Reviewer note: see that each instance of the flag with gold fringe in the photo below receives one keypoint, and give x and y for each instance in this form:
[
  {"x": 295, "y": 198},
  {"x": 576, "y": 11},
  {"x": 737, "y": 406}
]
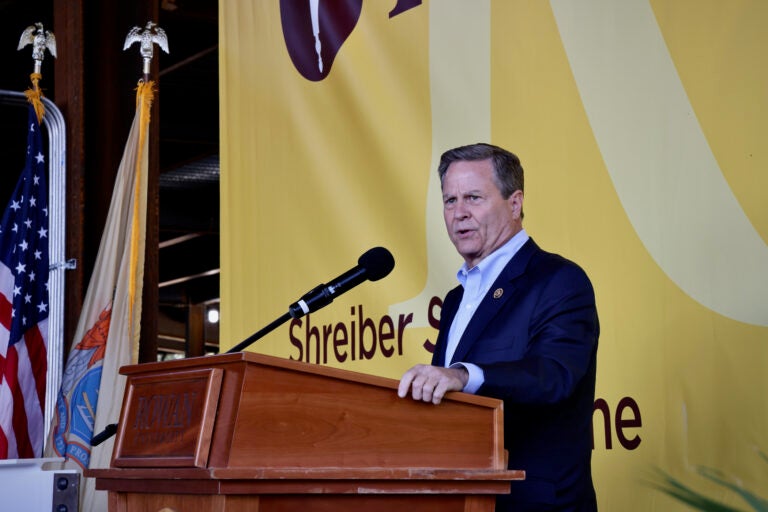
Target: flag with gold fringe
[{"x": 108, "y": 331}]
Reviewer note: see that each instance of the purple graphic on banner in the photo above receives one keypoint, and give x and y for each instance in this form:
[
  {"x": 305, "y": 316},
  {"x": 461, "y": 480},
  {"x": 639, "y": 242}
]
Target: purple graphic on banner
[{"x": 315, "y": 30}]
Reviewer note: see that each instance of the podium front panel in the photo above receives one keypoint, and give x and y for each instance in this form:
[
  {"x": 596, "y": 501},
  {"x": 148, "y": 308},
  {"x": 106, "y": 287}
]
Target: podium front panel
[{"x": 168, "y": 418}]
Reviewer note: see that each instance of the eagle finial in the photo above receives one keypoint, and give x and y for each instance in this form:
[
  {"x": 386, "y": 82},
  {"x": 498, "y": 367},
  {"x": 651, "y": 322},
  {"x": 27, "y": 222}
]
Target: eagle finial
[
  {"x": 146, "y": 38},
  {"x": 40, "y": 40}
]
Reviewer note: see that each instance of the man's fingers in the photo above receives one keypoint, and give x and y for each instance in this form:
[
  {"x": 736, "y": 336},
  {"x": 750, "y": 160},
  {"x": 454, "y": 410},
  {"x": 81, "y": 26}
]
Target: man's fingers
[
  {"x": 439, "y": 392},
  {"x": 428, "y": 383},
  {"x": 426, "y": 391},
  {"x": 405, "y": 383},
  {"x": 421, "y": 387},
  {"x": 413, "y": 379}
]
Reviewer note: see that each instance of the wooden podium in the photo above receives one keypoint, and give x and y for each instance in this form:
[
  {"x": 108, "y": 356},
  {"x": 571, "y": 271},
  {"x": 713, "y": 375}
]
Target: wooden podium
[{"x": 248, "y": 432}]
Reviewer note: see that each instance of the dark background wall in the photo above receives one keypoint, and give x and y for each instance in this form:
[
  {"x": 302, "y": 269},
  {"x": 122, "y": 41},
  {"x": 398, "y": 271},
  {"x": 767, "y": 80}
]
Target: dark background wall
[{"x": 93, "y": 83}]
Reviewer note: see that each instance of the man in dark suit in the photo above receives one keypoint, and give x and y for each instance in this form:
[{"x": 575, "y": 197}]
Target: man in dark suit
[{"x": 522, "y": 327}]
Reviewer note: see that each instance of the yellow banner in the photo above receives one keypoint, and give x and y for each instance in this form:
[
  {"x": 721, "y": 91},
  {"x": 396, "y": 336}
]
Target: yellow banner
[{"x": 640, "y": 127}]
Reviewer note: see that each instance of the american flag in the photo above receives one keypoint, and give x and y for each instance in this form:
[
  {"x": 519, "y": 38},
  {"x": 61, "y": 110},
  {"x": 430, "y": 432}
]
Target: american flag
[{"x": 24, "y": 306}]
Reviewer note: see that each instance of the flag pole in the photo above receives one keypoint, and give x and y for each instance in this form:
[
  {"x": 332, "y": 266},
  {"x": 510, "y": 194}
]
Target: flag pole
[
  {"x": 147, "y": 38},
  {"x": 40, "y": 39},
  {"x": 110, "y": 325}
]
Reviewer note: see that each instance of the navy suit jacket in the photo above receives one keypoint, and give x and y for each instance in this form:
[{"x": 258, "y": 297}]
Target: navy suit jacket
[{"x": 535, "y": 337}]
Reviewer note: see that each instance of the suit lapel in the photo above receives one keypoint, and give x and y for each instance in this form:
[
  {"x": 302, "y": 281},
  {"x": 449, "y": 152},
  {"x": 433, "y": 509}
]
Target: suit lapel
[
  {"x": 500, "y": 293},
  {"x": 448, "y": 311}
]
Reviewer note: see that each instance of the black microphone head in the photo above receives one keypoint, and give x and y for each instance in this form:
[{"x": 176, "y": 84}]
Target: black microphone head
[{"x": 377, "y": 262}]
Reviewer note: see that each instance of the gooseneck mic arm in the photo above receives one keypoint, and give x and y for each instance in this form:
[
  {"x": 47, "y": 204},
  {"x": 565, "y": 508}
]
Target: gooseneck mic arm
[
  {"x": 259, "y": 334},
  {"x": 373, "y": 265}
]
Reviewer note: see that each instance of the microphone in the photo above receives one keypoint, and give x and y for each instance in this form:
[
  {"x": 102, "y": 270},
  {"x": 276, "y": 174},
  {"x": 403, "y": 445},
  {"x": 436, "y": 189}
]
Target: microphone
[
  {"x": 373, "y": 265},
  {"x": 105, "y": 434}
]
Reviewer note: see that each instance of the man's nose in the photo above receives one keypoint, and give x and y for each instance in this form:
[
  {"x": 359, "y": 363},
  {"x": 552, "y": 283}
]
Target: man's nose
[{"x": 461, "y": 211}]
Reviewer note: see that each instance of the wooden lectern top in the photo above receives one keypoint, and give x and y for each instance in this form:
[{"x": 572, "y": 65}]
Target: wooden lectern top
[
  {"x": 244, "y": 431},
  {"x": 251, "y": 411}
]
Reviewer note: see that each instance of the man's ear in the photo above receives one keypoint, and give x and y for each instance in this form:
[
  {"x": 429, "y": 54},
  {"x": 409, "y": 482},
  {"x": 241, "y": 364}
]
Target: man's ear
[{"x": 516, "y": 201}]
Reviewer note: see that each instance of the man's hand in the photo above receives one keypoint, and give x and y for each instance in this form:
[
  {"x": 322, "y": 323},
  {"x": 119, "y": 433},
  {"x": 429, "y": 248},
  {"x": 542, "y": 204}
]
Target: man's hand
[{"x": 431, "y": 383}]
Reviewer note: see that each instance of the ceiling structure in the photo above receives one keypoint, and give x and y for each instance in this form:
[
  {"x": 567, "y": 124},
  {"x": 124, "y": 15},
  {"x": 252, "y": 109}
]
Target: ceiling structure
[
  {"x": 189, "y": 173},
  {"x": 188, "y": 125}
]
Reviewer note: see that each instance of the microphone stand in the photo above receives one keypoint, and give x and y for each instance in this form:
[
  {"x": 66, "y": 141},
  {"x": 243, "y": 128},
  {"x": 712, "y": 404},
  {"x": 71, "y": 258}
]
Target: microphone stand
[
  {"x": 378, "y": 259},
  {"x": 105, "y": 434},
  {"x": 111, "y": 429},
  {"x": 255, "y": 336},
  {"x": 373, "y": 264}
]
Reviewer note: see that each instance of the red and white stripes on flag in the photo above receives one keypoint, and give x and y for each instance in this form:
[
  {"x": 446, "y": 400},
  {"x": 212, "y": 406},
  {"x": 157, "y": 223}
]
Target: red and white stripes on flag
[{"x": 24, "y": 306}]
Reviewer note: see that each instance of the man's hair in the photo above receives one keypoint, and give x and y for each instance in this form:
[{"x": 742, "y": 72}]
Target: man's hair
[{"x": 507, "y": 171}]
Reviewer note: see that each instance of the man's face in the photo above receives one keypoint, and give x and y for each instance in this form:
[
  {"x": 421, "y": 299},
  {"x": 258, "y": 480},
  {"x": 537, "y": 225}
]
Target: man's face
[{"x": 478, "y": 219}]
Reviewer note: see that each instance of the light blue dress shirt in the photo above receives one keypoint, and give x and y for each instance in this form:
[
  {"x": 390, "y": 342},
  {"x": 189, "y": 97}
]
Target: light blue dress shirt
[{"x": 476, "y": 282}]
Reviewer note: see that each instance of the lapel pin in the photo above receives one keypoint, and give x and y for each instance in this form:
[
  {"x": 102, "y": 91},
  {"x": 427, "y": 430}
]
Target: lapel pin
[{"x": 497, "y": 293}]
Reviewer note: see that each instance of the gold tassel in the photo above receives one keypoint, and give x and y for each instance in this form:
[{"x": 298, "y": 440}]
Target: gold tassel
[
  {"x": 35, "y": 96},
  {"x": 144, "y": 96}
]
